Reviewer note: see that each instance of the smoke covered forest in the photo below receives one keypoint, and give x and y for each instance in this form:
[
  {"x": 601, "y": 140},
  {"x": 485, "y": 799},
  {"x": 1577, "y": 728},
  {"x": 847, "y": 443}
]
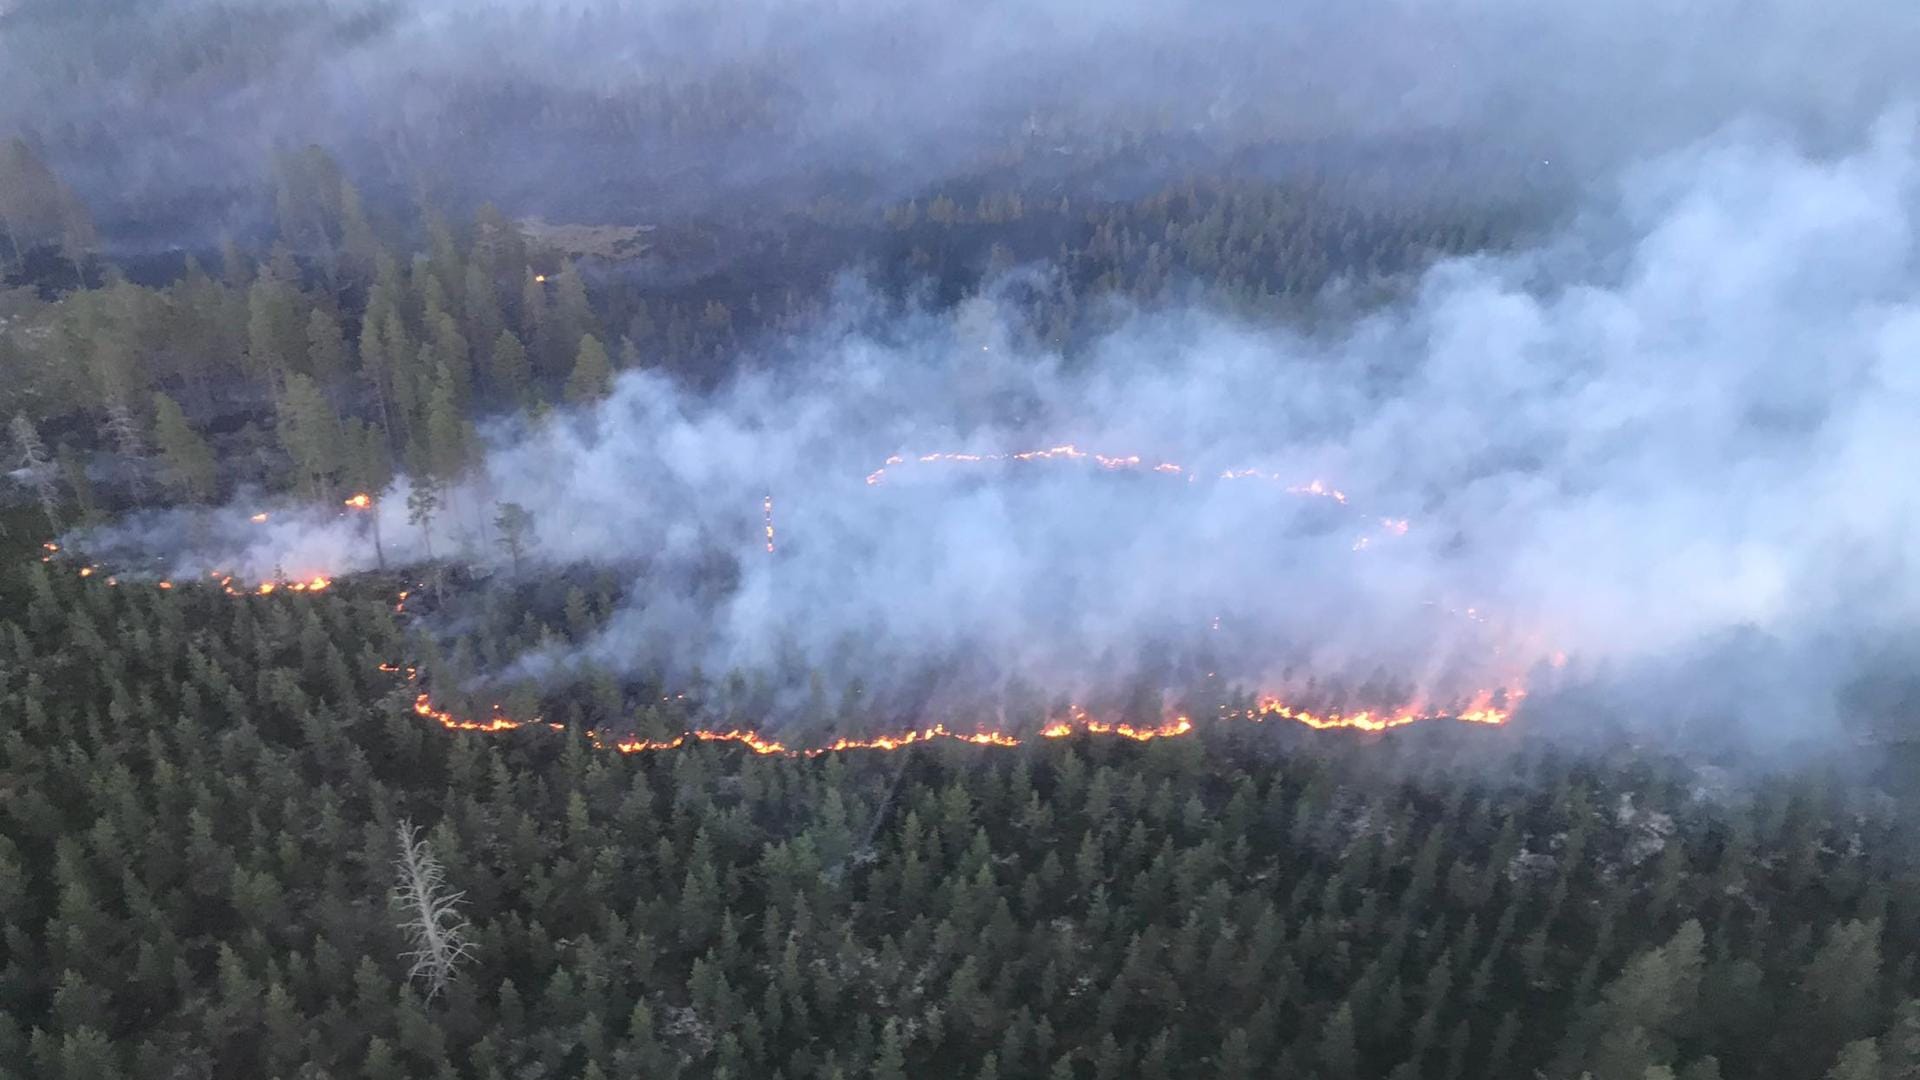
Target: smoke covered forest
[{"x": 798, "y": 539}]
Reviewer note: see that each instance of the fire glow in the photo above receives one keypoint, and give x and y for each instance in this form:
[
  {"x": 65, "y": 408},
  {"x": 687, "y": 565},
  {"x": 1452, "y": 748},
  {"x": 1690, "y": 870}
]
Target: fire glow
[
  {"x": 1111, "y": 462},
  {"x": 1484, "y": 708},
  {"x": 1489, "y": 708},
  {"x": 1312, "y": 489}
]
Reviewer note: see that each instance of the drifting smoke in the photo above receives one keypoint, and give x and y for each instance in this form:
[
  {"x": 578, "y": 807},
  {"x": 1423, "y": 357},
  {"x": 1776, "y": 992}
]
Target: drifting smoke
[
  {"x": 168, "y": 110},
  {"x": 1679, "y": 459}
]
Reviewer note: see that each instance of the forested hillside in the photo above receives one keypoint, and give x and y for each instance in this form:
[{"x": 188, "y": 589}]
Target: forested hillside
[
  {"x": 1479, "y": 526},
  {"x": 339, "y": 355},
  {"x": 200, "y": 799}
]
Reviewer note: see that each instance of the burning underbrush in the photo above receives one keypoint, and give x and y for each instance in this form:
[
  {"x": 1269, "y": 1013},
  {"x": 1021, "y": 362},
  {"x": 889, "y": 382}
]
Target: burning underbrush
[
  {"x": 473, "y": 631},
  {"x": 796, "y": 708}
]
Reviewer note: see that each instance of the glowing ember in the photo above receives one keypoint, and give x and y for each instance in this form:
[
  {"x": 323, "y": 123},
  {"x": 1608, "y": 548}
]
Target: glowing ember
[
  {"x": 1069, "y": 452},
  {"x": 1481, "y": 710},
  {"x": 1319, "y": 489},
  {"x": 424, "y": 707},
  {"x": 1490, "y": 708}
]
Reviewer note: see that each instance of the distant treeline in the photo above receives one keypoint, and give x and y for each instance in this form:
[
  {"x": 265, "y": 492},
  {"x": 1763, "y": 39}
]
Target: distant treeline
[{"x": 347, "y": 350}]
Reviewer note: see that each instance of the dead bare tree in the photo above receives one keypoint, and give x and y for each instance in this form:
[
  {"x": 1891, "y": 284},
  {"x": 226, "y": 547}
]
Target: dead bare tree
[
  {"x": 433, "y": 924},
  {"x": 124, "y": 432},
  {"x": 37, "y": 467}
]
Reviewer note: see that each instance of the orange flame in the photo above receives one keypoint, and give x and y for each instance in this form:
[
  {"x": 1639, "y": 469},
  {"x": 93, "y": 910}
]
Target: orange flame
[
  {"x": 1070, "y": 452},
  {"x": 1319, "y": 489},
  {"x": 1480, "y": 710},
  {"x": 360, "y": 501},
  {"x": 258, "y": 519},
  {"x": 424, "y": 707}
]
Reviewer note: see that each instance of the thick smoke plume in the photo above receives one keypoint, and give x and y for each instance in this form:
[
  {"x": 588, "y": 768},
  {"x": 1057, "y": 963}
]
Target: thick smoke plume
[{"x": 1672, "y": 446}]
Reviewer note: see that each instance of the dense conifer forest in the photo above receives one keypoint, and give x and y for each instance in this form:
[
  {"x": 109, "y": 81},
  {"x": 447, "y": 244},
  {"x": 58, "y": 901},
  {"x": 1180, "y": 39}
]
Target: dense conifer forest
[
  {"x": 235, "y": 844},
  {"x": 199, "y": 841},
  {"x": 202, "y": 792}
]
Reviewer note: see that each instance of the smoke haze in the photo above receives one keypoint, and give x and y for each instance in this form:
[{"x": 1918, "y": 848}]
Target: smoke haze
[
  {"x": 167, "y": 113},
  {"x": 1672, "y": 445}
]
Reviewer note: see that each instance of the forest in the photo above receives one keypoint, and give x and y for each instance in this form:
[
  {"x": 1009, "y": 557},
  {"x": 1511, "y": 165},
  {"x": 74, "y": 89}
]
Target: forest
[
  {"x": 289, "y": 829},
  {"x": 202, "y": 795}
]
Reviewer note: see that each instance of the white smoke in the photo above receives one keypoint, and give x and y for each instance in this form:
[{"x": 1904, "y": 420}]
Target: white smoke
[
  {"x": 654, "y": 103},
  {"x": 1687, "y": 421}
]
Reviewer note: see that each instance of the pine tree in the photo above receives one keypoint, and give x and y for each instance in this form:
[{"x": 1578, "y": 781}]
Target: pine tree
[
  {"x": 1900, "y": 1046},
  {"x": 1707, "y": 1068},
  {"x": 357, "y": 241},
  {"x": 423, "y": 503},
  {"x": 30, "y": 199},
  {"x": 592, "y": 377},
  {"x": 451, "y": 443},
  {"x": 276, "y": 337},
  {"x": 1337, "y": 1053},
  {"x": 376, "y": 368},
  {"x": 382, "y": 1063},
  {"x": 77, "y": 236},
  {"x": 186, "y": 462},
  {"x": 572, "y": 314},
  {"x": 509, "y": 371},
  {"x": 311, "y": 434},
  {"x": 481, "y": 304},
  {"x": 369, "y": 469},
  {"x": 1840, "y": 987},
  {"x": 891, "y": 1063},
  {"x": 516, "y": 527},
  {"x": 537, "y": 323},
  {"x": 326, "y": 349},
  {"x": 1859, "y": 1060}
]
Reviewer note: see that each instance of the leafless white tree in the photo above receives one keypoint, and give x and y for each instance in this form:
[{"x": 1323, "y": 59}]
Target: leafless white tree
[
  {"x": 38, "y": 467},
  {"x": 124, "y": 432},
  {"x": 432, "y": 921}
]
